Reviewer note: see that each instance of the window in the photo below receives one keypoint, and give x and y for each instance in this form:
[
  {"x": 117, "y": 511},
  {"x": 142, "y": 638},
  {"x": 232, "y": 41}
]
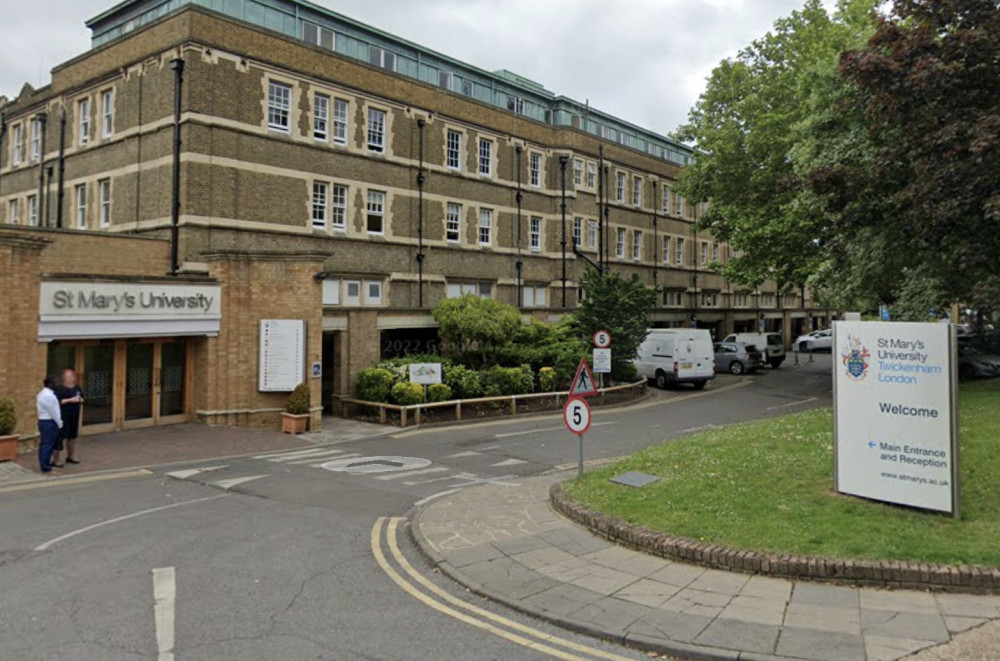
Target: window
[
  {"x": 331, "y": 292},
  {"x": 453, "y": 223},
  {"x": 376, "y": 212},
  {"x": 107, "y": 113},
  {"x": 481, "y": 289},
  {"x": 515, "y": 104},
  {"x": 678, "y": 205},
  {"x": 534, "y": 296},
  {"x": 352, "y": 292},
  {"x": 279, "y": 106},
  {"x": 338, "y": 207},
  {"x": 444, "y": 80},
  {"x": 32, "y": 210},
  {"x": 591, "y": 233},
  {"x": 320, "y": 36},
  {"x": 591, "y": 175},
  {"x": 620, "y": 244},
  {"x": 605, "y": 131},
  {"x": 666, "y": 250},
  {"x": 340, "y": 121},
  {"x": 13, "y": 216},
  {"x": 710, "y": 300},
  {"x": 679, "y": 248},
  {"x": 535, "y": 233},
  {"x": 740, "y": 300},
  {"x": 666, "y": 200},
  {"x": 485, "y": 157},
  {"x": 577, "y": 172},
  {"x": 620, "y": 190},
  {"x": 380, "y": 57},
  {"x": 321, "y": 117},
  {"x": 16, "y": 145},
  {"x": 767, "y": 300},
  {"x": 81, "y": 207},
  {"x": 577, "y": 232},
  {"x": 104, "y": 203},
  {"x": 376, "y": 130},
  {"x": 321, "y": 194},
  {"x": 704, "y": 254},
  {"x": 637, "y": 191},
  {"x": 715, "y": 253},
  {"x": 637, "y": 245},
  {"x": 83, "y": 108},
  {"x": 454, "y": 150},
  {"x": 36, "y": 140},
  {"x": 673, "y": 299},
  {"x": 535, "y": 169},
  {"x": 485, "y": 226},
  {"x": 373, "y": 292}
]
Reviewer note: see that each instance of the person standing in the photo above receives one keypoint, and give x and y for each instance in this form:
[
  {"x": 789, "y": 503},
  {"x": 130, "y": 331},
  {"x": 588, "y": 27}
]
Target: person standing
[
  {"x": 49, "y": 423},
  {"x": 70, "y": 397}
]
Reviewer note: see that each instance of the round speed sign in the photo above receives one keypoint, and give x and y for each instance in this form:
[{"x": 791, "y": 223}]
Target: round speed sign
[
  {"x": 602, "y": 339},
  {"x": 576, "y": 415}
]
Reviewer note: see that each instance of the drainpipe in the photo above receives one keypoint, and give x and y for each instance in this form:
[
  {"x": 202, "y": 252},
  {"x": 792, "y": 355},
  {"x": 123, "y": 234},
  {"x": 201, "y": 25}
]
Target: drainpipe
[
  {"x": 3, "y": 134},
  {"x": 177, "y": 64},
  {"x": 607, "y": 221},
  {"x": 62, "y": 167},
  {"x": 420, "y": 217},
  {"x": 656, "y": 239},
  {"x": 600, "y": 210},
  {"x": 48, "y": 192},
  {"x": 562, "y": 171},
  {"x": 519, "y": 264},
  {"x": 42, "y": 119}
]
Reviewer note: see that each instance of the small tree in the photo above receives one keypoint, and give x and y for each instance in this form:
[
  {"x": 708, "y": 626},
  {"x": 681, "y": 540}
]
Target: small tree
[
  {"x": 473, "y": 323},
  {"x": 620, "y": 307},
  {"x": 8, "y": 417},
  {"x": 298, "y": 402}
]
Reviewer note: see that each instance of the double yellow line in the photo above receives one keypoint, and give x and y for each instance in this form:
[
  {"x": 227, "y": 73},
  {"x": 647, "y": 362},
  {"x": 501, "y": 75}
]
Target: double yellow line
[{"x": 422, "y": 589}]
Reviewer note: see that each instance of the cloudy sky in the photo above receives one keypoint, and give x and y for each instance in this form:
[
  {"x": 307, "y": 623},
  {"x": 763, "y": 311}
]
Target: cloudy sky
[{"x": 643, "y": 60}]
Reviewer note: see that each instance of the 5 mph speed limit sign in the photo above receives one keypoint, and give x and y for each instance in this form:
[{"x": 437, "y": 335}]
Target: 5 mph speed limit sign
[{"x": 576, "y": 415}]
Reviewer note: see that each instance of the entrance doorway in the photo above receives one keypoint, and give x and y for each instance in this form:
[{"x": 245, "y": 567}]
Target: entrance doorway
[{"x": 128, "y": 383}]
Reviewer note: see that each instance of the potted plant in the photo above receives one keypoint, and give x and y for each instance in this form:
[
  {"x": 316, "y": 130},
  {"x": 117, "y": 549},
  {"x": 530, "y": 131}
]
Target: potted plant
[
  {"x": 295, "y": 417},
  {"x": 8, "y": 422}
]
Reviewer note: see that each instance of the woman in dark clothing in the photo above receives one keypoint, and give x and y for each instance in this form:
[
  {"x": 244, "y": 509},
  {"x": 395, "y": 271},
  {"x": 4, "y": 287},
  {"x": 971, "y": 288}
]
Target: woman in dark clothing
[{"x": 70, "y": 398}]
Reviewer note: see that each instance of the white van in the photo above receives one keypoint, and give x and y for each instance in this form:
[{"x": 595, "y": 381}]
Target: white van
[
  {"x": 770, "y": 345},
  {"x": 677, "y": 355}
]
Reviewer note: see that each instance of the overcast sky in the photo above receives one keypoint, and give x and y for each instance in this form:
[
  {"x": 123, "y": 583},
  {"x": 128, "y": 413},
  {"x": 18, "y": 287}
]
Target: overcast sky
[{"x": 643, "y": 60}]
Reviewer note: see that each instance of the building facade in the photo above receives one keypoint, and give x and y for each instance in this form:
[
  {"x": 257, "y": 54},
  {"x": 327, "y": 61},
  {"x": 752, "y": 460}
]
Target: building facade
[{"x": 293, "y": 164}]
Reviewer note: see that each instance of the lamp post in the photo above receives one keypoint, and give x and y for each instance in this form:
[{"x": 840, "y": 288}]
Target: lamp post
[
  {"x": 563, "y": 160},
  {"x": 420, "y": 216}
]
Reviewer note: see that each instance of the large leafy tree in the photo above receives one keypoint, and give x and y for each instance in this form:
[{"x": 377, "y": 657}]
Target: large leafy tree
[{"x": 476, "y": 327}]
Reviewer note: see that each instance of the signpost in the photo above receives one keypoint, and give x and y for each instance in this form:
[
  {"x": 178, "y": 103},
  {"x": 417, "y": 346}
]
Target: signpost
[
  {"x": 583, "y": 382},
  {"x": 896, "y": 413},
  {"x": 602, "y": 339},
  {"x": 426, "y": 374},
  {"x": 576, "y": 415},
  {"x": 602, "y": 361}
]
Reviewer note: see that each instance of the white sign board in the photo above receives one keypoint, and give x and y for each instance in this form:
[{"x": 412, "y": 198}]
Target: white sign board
[
  {"x": 602, "y": 361},
  {"x": 896, "y": 424},
  {"x": 282, "y": 354},
  {"x": 426, "y": 374}
]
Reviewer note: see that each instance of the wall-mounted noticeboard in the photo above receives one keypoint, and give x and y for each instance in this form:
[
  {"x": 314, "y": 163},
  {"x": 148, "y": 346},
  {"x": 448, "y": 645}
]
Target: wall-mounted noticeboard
[{"x": 282, "y": 361}]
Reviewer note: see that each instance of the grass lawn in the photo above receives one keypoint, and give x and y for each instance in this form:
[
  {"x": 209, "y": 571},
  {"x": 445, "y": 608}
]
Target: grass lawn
[{"x": 768, "y": 485}]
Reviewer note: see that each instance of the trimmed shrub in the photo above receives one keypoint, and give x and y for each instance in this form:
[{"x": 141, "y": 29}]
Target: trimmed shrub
[
  {"x": 503, "y": 381},
  {"x": 464, "y": 383},
  {"x": 624, "y": 372},
  {"x": 375, "y": 384},
  {"x": 439, "y": 392},
  {"x": 8, "y": 417},
  {"x": 547, "y": 379},
  {"x": 298, "y": 402},
  {"x": 407, "y": 394}
]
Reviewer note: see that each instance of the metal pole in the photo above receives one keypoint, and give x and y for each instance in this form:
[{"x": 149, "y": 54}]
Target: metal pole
[
  {"x": 656, "y": 240},
  {"x": 3, "y": 134},
  {"x": 60, "y": 194},
  {"x": 579, "y": 455},
  {"x": 420, "y": 217},
  {"x": 600, "y": 210},
  {"x": 519, "y": 264},
  {"x": 562, "y": 169},
  {"x": 607, "y": 221},
  {"x": 177, "y": 64},
  {"x": 41, "y": 118}
]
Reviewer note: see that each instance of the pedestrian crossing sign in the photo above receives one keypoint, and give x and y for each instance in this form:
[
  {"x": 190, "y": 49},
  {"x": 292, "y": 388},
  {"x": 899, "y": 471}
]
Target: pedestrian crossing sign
[{"x": 583, "y": 382}]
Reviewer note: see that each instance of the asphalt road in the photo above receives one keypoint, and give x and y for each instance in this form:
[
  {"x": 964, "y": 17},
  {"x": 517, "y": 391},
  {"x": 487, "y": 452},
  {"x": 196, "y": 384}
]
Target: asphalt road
[{"x": 277, "y": 557}]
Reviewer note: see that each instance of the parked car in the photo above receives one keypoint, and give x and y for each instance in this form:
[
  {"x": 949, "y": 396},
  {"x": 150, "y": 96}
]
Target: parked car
[
  {"x": 975, "y": 364},
  {"x": 736, "y": 357},
  {"x": 821, "y": 340},
  {"x": 772, "y": 345},
  {"x": 676, "y": 355}
]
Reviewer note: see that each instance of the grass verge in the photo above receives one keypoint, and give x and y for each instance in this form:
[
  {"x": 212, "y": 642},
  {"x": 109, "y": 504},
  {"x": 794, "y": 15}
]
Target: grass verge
[{"x": 768, "y": 486}]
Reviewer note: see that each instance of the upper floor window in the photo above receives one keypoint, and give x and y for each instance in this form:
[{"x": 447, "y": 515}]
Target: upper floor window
[
  {"x": 454, "y": 149},
  {"x": 704, "y": 254},
  {"x": 104, "y": 203},
  {"x": 591, "y": 233},
  {"x": 620, "y": 189},
  {"x": 620, "y": 243},
  {"x": 591, "y": 175},
  {"x": 81, "y": 207},
  {"x": 515, "y": 104},
  {"x": 578, "y": 232},
  {"x": 679, "y": 251},
  {"x": 338, "y": 207},
  {"x": 380, "y": 57},
  {"x": 353, "y": 293},
  {"x": 321, "y": 117},
  {"x": 320, "y": 202},
  {"x": 534, "y": 296},
  {"x": 32, "y": 210},
  {"x": 318, "y": 35},
  {"x": 481, "y": 289},
  {"x": 485, "y": 157},
  {"x": 535, "y": 169},
  {"x": 637, "y": 245},
  {"x": 485, "y": 226},
  {"x": 36, "y": 140},
  {"x": 376, "y": 212},
  {"x": 637, "y": 191},
  {"x": 340, "y": 110},
  {"x": 577, "y": 172},
  {"x": 83, "y": 108},
  {"x": 16, "y": 144},
  {"x": 376, "y": 130},
  {"x": 453, "y": 223},
  {"x": 715, "y": 253},
  {"x": 107, "y": 113},
  {"x": 710, "y": 300},
  {"x": 535, "y": 234},
  {"x": 673, "y": 299},
  {"x": 666, "y": 249},
  {"x": 678, "y": 205},
  {"x": 666, "y": 200},
  {"x": 740, "y": 300},
  {"x": 279, "y": 106},
  {"x": 444, "y": 79},
  {"x": 13, "y": 213}
]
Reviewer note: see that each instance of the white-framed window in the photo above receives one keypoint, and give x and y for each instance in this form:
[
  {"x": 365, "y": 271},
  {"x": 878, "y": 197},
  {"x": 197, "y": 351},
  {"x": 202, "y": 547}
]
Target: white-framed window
[
  {"x": 321, "y": 117},
  {"x": 673, "y": 299},
  {"x": 376, "y": 130},
  {"x": 678, "y": 205},
  {"x": 445, "y": 80},
  {"x": 485, "y": 157},
  {"x": 81, "y": 206},
  {"x": 591, "y": 233},
  {"x": 578, "y": 232},
  {"x": 515, "y": 104},
  {"x": 534, "y": 296},
  {"x": 32, "y": 210},
  {"x": 715, "y": 253},
  {"x": 741, "y": 300},
  {"x": 637, "y": 191},
  {"x": 535, "y": 169},
  {"x": 679, "y": 251},
  {"x": 453, "y": 223},
  {"x": 318, "y": 35},
  {"x": 637, "y": 245},
  {"x": 320, "y": 203},
  {"x": 373, "y": 292},
  {"x": 104, "y": 203},
  {"x": 457, "y": 289},
  {"x": 340, "y": 112},
  {"x": 767, "y": 300},
  {"x": 577, "y": 172},
  {"x": 375, "y": 222},
  {"x": 279, "y": 106},
  {"x": 331, "y": 291},
  {"x": 591, "y": 175},
  {"x": 666, "y": 250},
  {"x": 352, "y": 293},
  {"x": 107, "y": 113},
  {"x": 535, "y": 233},
  {"x": 620, "y": 188},
  {"x": 454, "y": 150},
  {"x": 666, "y": 200},
  {"x": 605, "y": 131},
  {"x": 485, "y": 226},
  {"x": 36, "y": 140},
  {"x": 16, "y": 144},
  {"x": 338, "y": 207},
  {"x": 710, "y": 300},
  {"x": 380, "y": 57},
  {"x": 13, "y": 213},
  {"x": 620, "y": 243},
  {"x": 83, "y": 110},
  {"x": 704, "y": 254}
]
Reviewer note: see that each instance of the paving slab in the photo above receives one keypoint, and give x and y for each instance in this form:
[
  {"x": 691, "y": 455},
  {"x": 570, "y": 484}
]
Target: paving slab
[
  {"x": 739, "y": 635},
  {"x": 802, "y": 643}
]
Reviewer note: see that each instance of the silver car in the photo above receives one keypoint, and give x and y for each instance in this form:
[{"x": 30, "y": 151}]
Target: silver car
[
  {"x": 821, "y": 340},
  {"x": 736, "y": 357}
]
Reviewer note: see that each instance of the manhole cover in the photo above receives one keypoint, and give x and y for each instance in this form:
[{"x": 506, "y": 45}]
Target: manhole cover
[
  {"x": 635, "y": 479},
  {"x": 376, "y": 464}
]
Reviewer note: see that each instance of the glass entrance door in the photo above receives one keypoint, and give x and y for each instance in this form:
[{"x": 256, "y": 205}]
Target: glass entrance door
[
  {"x": 98, "y": 380},
  {"x": 139, "y": 363},
  {"x": 173, "y": 378}
]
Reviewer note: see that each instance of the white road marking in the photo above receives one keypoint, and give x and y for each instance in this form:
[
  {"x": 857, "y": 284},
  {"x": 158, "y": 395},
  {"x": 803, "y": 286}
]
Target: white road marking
[
  {"x": 424, "y": 501},
  {"x": 288, "y": 456},
  {"x": 459, "y": 455},
  {"x": 80, "y": 531},
  {"x": 191, "y": 472},
  {"x": 320, "y": 457},
  {"x": 414, "y": 483},
  {"x": 509, "y": 462},
  {"x": 471, "y": 480},
  {"x": 425, "y": 471},
  {"x": 795, "y": 403},
  {"x": 546, "y": 429},
  {"x": 236, "y": 481},
  {"x": 164, "y": 601},
  {"x": 379, "y": 464}
]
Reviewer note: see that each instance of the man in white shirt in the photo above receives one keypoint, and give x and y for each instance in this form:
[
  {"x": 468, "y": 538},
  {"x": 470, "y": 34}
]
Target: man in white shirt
[{"x": 49, "y": 423}]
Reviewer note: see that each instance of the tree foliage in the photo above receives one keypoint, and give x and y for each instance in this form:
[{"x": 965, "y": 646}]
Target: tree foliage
[
  {"x": 469, "y": 322},
  {"x": 621, "y": 307}
]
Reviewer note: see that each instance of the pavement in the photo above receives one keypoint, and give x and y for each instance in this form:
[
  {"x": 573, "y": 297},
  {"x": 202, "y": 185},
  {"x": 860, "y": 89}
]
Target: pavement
[{"x": 506, "y": 543}]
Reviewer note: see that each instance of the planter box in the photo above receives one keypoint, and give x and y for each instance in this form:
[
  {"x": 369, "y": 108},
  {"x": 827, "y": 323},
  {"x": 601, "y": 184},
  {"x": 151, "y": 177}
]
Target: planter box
[
  {"x": 294, "y": 424},
  {"x": 8, "y": 447}
]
